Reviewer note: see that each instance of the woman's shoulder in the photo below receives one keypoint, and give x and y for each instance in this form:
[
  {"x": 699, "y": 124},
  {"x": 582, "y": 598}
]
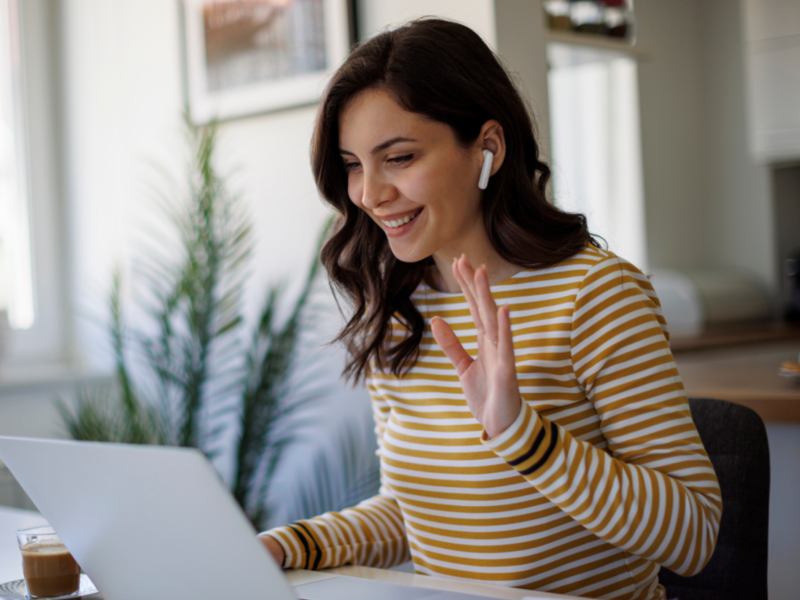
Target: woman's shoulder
[
  {"x": 568, "y": 272},
  {"x": 535, "y": 288},
  {"x": 593, "y": 257}
]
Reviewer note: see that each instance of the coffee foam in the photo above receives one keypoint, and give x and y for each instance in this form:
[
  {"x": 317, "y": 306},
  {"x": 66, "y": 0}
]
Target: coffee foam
[{"x": 44, "y": 548}]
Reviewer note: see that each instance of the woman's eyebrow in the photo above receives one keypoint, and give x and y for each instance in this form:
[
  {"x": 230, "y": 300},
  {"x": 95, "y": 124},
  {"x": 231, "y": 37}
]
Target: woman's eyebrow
[{"x": 382, "y": 146}]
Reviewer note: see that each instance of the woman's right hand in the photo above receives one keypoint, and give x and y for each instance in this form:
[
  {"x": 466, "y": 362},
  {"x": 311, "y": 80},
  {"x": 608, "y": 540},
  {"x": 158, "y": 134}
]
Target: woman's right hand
[
  {"x": 273, "y": 547},
  {"x": 489, "y": 380}
]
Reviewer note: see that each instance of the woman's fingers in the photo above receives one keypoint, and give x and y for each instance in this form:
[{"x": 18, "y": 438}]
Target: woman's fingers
[
  {"x": 461, "y": 269},
  {"x": 505, "y": 340},
  {"x": 468, "y": 275},
  {"x": 450, "y": 345},
  {"x": 486, "y": 305},
  {"x": 475, "y": 286}
]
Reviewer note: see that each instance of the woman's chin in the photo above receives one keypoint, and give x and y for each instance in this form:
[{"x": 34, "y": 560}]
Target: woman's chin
[{"x": 407, "y": 255}]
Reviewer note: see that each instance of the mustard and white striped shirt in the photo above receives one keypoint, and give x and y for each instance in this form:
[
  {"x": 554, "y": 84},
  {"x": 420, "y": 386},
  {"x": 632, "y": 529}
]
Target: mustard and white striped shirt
[{"x": 600, "y": 480}]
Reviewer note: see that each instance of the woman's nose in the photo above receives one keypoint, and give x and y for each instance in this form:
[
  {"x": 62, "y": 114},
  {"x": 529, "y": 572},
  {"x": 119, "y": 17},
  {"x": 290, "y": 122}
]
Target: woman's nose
[{"x": 376, "y": 190}]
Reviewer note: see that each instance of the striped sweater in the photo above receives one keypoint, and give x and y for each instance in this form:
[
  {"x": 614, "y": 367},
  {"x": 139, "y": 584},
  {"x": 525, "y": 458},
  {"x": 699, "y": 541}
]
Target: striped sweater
[{"x": 601, "y": 479}]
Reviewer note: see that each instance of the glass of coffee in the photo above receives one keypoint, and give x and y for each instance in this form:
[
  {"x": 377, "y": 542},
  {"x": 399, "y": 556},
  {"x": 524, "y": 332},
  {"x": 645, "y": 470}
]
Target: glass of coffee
[{"x": 48, "y": 566}]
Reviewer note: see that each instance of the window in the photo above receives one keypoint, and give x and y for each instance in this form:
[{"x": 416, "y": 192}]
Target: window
[
  {"x": 33, "y": 257},
  {"x": 16, "y": 283},
  {"x": 597, "y": 165}
]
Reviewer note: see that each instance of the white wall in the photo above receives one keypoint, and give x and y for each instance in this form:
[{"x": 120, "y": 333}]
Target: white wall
[
  {"x": 522, "y": 48},
  {"x": 121, "y": 65},
  {"x": 736, "y": 189},
  {"x": 706, "y": 202},
  {"x": 377, "y": 15},
  {"x": 121, "y": 115},
  {"x": 670, "y": 87}
]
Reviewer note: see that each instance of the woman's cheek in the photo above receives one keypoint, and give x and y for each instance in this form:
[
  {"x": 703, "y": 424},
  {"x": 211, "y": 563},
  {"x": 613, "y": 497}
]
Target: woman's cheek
[{"x": 417, "y": 185}]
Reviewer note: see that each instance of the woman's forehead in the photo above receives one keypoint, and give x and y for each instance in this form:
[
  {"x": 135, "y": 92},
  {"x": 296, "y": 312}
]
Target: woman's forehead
[{"x": 373, "y": 116}]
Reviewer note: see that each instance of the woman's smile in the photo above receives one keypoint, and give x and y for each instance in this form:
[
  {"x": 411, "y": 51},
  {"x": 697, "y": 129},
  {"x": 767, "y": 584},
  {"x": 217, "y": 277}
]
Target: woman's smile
[{"x": 399, "y": 226}]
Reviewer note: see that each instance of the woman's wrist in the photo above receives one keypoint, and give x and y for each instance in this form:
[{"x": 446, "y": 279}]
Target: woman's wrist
[
  {"x": 273, "y": 547},
  {"x": 505, "y": 421}
]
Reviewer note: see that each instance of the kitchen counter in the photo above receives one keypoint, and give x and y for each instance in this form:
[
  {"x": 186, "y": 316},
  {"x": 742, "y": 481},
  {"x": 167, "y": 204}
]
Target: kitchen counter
[{"x": 745, "y": 372}]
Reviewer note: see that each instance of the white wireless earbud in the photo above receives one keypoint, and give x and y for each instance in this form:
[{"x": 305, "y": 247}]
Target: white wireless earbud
[{"x": 488, "y": 157}]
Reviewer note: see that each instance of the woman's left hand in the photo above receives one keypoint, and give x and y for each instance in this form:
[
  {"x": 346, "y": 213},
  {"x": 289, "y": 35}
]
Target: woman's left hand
[{"x": 490, "y": 380}]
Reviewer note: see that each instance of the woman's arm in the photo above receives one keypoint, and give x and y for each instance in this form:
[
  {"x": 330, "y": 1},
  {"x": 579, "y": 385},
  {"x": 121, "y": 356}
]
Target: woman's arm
[
  {"x": 653, "y": 491},
  {"x": 370, "y": 534}
]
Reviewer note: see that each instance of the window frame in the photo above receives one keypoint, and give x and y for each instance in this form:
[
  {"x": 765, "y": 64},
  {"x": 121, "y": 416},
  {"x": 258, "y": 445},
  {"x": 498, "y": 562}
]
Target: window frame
[{"x": 46, "y": 341}]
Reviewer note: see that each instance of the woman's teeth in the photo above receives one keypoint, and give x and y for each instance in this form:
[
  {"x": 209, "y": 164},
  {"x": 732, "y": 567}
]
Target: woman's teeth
[{"x": 400, "y": 222}]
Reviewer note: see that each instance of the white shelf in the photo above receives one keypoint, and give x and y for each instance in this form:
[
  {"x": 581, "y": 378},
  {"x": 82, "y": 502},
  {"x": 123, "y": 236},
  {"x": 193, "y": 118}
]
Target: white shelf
[
  {"x": 47, "y": 377},
  {"x": 597, "y": 41}
]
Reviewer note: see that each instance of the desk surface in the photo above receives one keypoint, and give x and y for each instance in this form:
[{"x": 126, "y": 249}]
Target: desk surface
[
  {"x": 747, "y": 375},
  {"x": 12, "y": 519}
]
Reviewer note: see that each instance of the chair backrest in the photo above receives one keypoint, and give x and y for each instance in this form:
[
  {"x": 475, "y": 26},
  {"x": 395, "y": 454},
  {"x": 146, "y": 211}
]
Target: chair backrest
[{"x": 736, "y": 441}]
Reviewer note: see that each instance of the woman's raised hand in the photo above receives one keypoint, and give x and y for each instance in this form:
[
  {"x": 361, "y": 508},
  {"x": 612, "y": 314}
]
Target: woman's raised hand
[{"x": 490, "y": 380}]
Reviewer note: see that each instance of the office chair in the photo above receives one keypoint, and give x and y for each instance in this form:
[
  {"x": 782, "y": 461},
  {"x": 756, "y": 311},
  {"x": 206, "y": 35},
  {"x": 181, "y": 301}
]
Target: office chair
[{"x": 736, "y": 441}]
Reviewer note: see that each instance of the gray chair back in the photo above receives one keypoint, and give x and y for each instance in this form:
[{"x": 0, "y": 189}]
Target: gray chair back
[{"x": 736, "y": 441}]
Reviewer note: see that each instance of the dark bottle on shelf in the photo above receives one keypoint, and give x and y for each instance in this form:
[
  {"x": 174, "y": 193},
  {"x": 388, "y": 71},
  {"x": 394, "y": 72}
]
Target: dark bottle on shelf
[{"x": 618, "y": 19}]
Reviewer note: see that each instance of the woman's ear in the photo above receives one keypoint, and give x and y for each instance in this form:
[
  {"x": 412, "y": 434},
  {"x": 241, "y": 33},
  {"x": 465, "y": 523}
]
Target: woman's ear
[{"x": 492, "y": 138}]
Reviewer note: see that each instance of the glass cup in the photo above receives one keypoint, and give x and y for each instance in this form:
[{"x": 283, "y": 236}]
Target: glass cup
[{"x": 48, "y": 566}]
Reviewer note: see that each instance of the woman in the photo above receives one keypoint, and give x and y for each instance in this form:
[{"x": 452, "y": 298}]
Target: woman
[{"x": 545, "y": 444}]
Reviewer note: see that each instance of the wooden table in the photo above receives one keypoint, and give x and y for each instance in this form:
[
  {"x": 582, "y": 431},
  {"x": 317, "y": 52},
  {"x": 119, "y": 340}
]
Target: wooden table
[{"x": 746, "y": 374}]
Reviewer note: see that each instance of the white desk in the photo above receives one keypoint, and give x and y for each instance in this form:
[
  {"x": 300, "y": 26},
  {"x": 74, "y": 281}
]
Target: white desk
[
  {"x": 298, "y": 576},
  {"x": 12, "y": 519}
]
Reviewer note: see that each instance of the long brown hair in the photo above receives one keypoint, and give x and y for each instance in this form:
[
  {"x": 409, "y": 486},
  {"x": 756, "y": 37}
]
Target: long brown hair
[{"x": 444, "y": 71}]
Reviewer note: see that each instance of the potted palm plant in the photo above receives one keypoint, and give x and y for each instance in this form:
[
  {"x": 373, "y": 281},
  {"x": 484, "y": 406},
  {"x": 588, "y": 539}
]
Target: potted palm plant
[{"x": 201, "y": 375}]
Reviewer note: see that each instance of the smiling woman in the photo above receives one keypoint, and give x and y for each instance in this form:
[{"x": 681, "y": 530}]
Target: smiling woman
[
  {"x": 408, "y": 83},
  {"x": 546, "y": 443}
]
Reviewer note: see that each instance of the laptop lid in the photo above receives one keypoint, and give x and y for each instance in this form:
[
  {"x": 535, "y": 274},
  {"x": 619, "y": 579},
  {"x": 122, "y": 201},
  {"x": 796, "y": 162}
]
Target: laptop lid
[{"x": 145, "y": 521}]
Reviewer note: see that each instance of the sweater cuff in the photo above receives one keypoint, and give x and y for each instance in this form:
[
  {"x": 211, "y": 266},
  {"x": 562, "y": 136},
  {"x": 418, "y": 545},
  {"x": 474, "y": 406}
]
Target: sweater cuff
[
  {"x": 294, "y": 555},
  {"x": 527, "y": 444}
]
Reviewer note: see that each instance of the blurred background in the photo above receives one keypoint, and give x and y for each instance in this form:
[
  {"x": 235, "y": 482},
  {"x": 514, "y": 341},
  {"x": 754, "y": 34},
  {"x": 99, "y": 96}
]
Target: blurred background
[{"x": 673, "y": 124}]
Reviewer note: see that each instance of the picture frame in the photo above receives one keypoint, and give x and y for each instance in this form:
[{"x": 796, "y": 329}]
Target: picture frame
[{"x": 246, "y": 57}]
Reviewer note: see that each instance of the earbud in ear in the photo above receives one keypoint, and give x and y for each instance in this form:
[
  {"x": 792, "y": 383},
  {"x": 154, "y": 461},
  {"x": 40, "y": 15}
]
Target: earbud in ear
[{"x": 488, "y": 157}]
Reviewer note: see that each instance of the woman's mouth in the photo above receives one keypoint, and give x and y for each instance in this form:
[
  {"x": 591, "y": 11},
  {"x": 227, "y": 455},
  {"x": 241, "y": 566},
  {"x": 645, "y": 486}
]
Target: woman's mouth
[{"x": 396, "y": 224}]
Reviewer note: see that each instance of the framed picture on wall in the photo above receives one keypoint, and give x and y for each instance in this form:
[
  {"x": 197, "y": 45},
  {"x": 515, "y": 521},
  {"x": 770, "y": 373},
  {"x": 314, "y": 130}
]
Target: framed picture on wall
[{"x": 244, "y": 57}]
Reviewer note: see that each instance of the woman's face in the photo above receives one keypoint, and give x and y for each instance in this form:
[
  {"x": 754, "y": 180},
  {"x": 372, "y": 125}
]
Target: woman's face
[{"x": 410, "y": 175}]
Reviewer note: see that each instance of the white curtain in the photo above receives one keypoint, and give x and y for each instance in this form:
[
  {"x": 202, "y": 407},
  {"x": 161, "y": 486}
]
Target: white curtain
[{"x": 597, "y": 164}]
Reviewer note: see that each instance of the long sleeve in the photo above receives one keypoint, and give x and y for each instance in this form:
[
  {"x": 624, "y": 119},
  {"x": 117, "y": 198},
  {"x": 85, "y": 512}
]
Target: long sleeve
[
  {"x": 371, "y": 533},
  {"x": 652, "y": 490}
]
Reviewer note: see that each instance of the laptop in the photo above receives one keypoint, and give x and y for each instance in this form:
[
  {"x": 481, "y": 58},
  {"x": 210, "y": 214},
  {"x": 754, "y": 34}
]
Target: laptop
[{"x": 158, "y": 522}]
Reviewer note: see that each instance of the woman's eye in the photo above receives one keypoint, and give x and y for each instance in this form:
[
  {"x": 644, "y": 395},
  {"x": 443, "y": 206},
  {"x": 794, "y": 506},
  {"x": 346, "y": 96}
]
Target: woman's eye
[
  {"x": 400, "y": 160},
  {"x": 351, "y": 166}
]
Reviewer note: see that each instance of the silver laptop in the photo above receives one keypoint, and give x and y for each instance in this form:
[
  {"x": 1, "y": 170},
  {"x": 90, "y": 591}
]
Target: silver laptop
[{"x": 158, "y": 523}]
